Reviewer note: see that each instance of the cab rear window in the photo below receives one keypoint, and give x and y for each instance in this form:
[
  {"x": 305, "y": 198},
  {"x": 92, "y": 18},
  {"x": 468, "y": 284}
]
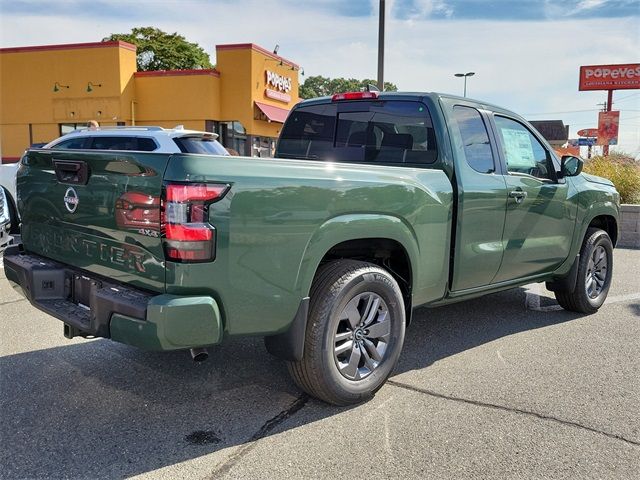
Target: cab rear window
[{"x": 385, "y": 132}]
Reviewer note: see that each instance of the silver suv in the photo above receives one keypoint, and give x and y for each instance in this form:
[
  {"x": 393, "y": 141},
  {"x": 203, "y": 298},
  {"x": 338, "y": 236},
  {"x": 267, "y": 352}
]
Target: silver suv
[{"x": 141, "y": 139}]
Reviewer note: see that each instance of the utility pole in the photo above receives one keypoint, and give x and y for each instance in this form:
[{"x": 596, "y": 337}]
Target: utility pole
[{"x": 381, "y": 47}]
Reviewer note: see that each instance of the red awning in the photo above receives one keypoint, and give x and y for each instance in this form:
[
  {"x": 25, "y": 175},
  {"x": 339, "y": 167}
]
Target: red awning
[{"x": 275, "y": 114}]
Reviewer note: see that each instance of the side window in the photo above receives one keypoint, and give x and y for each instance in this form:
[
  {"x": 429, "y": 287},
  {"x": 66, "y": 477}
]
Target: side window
[
  {"x": 114, "y": 143},
  {"x": 475, "y": 139},
  {"x": 522, "y": 150},
  {"x": 73, "y": 143},
  {"x": 308, "y": 132},
  {"x": 146, "y": 144},
  {"x": 202, "y": 145}
]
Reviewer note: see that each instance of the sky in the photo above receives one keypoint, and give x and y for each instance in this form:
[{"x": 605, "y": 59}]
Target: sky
[{"x": 525, "y": 54}]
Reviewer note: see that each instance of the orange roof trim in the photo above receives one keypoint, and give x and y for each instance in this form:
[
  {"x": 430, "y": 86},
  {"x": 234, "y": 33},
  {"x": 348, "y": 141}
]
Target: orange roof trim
[
  {"x": 70, "y": 46},
  {"x": 257, "y": 48}
]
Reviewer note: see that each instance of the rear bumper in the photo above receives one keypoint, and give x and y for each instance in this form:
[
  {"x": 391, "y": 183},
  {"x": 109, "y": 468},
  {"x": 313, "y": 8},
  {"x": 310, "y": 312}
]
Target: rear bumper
[{"x": 112, "y": 310}]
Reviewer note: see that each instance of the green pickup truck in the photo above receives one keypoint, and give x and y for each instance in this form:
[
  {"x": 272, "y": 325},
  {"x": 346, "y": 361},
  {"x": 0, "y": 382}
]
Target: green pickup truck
[{"x": 377, "y": 203}]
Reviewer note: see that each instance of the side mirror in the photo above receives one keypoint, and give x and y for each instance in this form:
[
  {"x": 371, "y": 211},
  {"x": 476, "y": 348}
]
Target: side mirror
[{"x": 570, "y": 166}]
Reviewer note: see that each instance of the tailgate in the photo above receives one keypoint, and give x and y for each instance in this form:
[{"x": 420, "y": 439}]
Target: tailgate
[{"x": 96, "y": 211}]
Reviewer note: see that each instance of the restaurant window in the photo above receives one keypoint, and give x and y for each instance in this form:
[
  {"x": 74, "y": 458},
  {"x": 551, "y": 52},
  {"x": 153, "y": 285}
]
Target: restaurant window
[{"x": 70, "y": 127}]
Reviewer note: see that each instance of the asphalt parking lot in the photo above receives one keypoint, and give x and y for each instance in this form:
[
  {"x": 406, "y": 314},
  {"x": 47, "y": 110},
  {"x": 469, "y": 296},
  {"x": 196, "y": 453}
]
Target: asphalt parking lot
[{"x": 505, "y": 386}]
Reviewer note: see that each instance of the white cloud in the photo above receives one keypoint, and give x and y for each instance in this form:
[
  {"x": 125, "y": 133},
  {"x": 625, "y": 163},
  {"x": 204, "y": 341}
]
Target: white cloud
[
  {"x": 589, "y": 4},
  {"x": 425, "y": 8},
  {"x": 529, "y": 67}
]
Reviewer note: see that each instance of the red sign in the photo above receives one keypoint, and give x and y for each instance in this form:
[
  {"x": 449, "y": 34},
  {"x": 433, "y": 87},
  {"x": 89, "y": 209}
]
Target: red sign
[
  {"x": 588, "y": 132},
  {"x": 608, "y": 128},
  {"x": 610, "y": 77},
  {"x": 275, "y": 95},
  {"x": 569, "y": 150}
]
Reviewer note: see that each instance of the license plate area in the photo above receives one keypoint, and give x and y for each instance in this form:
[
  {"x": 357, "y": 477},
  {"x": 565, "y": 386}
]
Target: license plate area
[{"x": 82, "y": 290}]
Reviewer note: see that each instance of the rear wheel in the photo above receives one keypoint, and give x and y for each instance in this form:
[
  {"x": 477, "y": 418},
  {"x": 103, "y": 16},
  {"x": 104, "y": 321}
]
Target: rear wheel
[
  {"x": 354, "y": 334},
  {"x": 595, "y": 269}
]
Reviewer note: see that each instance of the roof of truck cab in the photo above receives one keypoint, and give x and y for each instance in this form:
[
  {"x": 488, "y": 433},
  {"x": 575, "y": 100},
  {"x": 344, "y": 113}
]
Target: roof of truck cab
[{"x": 413, "y": 96}]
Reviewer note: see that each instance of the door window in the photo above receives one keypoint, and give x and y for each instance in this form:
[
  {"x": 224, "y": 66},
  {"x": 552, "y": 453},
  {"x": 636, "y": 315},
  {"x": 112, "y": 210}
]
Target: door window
[
  {"x": 73, "y": 143},
  {"x": 146, "y": 144},
  {"x": 523, "y": 152},
  {"x": 475, "y": 139},
  {"x": 114, "y": 143}
]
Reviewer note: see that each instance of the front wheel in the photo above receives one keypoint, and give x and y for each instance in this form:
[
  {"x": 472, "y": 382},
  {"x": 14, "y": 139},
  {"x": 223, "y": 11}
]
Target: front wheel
[
  {"x": 595, "y": 270},
  {"x": 354, "y": 334}
]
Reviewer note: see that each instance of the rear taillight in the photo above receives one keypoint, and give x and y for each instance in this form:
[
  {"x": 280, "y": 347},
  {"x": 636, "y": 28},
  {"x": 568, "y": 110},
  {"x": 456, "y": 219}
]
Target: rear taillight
[
  {"x": 354, "y": 96},
  {"x": 188, "y": 235}
]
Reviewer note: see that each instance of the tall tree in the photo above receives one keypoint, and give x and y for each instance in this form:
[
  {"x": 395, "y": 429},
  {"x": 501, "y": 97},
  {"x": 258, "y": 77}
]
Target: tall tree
[
  {"x": 320, "y": 86},
  {"x": 158, "y": 50}
]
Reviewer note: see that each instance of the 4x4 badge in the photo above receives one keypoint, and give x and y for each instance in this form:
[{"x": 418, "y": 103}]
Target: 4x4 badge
[{"x": 71, "y": 199}]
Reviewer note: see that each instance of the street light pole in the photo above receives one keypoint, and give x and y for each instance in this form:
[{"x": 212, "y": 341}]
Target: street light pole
[
  {"x": 465, "y": 75},
  {"x": 381, "y": 48}
]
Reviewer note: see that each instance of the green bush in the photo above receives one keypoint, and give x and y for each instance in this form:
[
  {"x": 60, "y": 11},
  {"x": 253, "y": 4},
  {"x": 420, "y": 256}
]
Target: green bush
[{"x": 622, "y": 170}]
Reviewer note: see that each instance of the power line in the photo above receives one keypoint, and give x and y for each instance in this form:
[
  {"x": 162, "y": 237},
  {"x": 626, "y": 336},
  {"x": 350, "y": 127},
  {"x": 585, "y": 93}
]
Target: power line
[
  {"x": 628, "y": 96},
  {"x": 567, "y": 111},
  {"x": 585, "y": 111}
]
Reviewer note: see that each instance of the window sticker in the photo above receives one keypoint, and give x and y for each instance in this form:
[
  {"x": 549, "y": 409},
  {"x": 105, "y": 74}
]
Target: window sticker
[{"x": 518, "y": 148}]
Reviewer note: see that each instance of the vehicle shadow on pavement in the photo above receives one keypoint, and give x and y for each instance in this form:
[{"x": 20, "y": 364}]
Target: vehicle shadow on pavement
[
  {"x": 441, "y": 332},
  {"x": 98, "y": 409}
]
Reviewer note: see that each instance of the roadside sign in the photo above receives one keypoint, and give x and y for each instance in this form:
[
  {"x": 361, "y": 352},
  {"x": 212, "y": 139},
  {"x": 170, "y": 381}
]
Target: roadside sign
[
  {"x": 588, "y": 132},
  {"x": 608, "y": 127},
  {"x": 609, "y": 77},
  {"x": 586, "y": 141}
]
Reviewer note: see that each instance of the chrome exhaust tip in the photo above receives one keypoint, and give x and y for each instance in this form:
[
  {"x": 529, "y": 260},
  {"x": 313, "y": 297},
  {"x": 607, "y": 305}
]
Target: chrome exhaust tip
[{"x": 199, "y": 354}]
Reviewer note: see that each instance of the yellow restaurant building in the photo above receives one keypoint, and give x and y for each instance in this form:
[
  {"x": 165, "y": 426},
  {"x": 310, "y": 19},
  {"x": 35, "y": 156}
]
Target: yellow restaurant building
[{"x": 49, "y": 90}]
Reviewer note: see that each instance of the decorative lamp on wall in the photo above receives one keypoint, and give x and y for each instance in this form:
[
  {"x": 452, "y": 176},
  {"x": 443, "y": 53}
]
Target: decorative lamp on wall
[
  {"x": 57, "y": 86},
  {"x": 91, "y": 85}
]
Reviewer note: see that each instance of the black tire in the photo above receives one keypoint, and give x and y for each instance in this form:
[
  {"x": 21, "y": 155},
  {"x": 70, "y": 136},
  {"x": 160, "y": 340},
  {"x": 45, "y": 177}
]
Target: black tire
[
  {"x": 339, "y": 285},
  {"x": 579, "y": 300}
]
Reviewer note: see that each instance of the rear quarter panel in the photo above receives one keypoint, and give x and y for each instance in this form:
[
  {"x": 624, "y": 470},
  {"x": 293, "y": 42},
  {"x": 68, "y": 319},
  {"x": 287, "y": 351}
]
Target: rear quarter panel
[{"x": 282, "y": 216}]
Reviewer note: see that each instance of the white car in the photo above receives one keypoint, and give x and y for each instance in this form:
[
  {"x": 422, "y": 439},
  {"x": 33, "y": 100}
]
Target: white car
[
  {"x": 144, "y": 139},
  {"x": 8, "y": 190},
  {"x": 141, "y": 139},
  {"x": 5, "y": 222}
]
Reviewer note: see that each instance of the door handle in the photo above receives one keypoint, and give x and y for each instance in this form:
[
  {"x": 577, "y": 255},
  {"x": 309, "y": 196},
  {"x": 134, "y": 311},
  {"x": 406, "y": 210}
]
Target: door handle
[
  {"x": 71, "y": 171},
  {"x": 518, "y": 195}
]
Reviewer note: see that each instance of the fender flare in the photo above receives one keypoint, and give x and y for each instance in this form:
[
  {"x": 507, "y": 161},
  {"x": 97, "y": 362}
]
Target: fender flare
[
  {"x": 344, "y": 228},
  {"x": 289, "y": 345},
  {"x": 598, "y": 209}
]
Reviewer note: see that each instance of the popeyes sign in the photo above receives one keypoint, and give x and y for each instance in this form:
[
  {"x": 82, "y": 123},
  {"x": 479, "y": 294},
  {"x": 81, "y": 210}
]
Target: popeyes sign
[
  {"x": 610, "y": 77},
  {"x": 278, "y": 87}
]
